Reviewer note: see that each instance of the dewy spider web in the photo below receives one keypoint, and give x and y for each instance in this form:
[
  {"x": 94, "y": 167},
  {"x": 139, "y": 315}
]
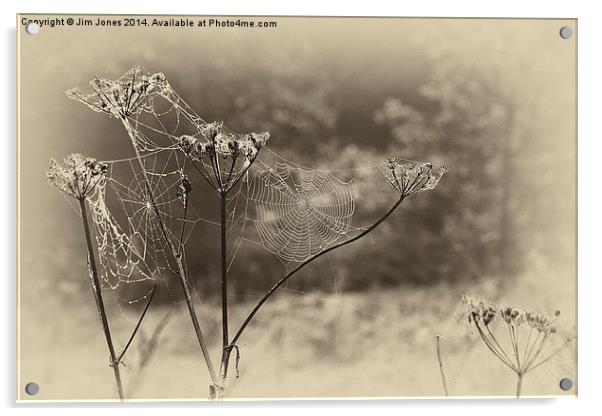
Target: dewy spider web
[
  {"x": 120, "y": 261},
  {"x": 300, "y": 212},
  {"x": 155, "y": 131}
]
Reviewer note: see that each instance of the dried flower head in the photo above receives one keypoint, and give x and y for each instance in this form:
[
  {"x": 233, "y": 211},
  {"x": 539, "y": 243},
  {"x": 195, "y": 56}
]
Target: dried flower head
[
  {"x": 542, "y": 323},
  {"x": 513, "y": 316},
  {"x": 520, "y": 358},
  {"x": 131, "y": 94},
  {"x": 216, "y": 140},
  {"x": 77, "y": 175},
  {"x": 479, "y": 310},
  {"x": 409, "y": 177}
]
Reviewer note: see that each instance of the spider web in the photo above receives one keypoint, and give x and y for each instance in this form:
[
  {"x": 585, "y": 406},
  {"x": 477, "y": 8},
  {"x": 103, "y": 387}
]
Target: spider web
[
  {"x": 155, "y": 132},
  {"x": 300, "y": 212},
  {"x": 119, "y": 258}
]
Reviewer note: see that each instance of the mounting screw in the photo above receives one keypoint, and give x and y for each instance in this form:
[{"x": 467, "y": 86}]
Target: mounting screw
[
  {"x": 32, "y": 28},
  {"x": 566, "y": 32},
  {"x": 566, "y": 384},
  {"x": 32, "y": 389}
]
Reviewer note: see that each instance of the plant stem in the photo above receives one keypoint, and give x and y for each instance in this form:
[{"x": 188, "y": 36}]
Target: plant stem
[
  {"x": 443, "y": 380},
  {"x": 309, "y": 260},
  {"x": 138, "y": 323},
  {"x": 519, "y": 385},
  {"x": 224, "y": 270},
  {"x": 224, "y": 282},
  {"x": 175, "y": 254},
  {"x": 98, "y": 297}
]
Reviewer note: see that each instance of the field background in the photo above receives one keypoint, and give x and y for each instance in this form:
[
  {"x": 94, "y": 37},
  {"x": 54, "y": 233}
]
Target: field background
[{"x": 480, "y": 97}]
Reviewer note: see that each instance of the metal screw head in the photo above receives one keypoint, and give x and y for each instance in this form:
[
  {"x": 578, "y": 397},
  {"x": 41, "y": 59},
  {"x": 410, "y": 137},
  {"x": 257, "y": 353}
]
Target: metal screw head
[
  {"x": 566, "y": 384},
  {"x": 32, "y": 389},
  {"x": 566, "y": 32},
  {"x": 32, "y": 28}
]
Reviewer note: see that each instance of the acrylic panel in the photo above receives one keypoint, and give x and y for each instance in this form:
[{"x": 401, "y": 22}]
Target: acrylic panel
[{"x": 241, "y": 208}]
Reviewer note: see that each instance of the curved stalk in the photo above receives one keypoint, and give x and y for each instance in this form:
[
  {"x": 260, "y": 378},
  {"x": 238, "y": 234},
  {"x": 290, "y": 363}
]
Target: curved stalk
[
  {"x": 306, "y": 262},
  {"x": 138, "y": 323}
]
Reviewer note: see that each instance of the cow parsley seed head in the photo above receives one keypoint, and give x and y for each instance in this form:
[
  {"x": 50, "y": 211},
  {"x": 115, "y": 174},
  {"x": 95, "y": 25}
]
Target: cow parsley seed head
[
  {"x": 193, "y": 147},
  {"x": 216, "y": 140},
  {"x": 77, "y": 175},
  {"x": 541, "y": 323},
  {"x": 479, "y": 309},
  {"x": 513, "y": 316},
  {"x": 409, "y": 177},
  {"x": 530, "y": 353},
  {"x": 131, "y": 94}
]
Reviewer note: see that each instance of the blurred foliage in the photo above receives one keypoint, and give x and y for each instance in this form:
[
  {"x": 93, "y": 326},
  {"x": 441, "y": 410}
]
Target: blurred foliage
[{"x": 485, "y": 218}]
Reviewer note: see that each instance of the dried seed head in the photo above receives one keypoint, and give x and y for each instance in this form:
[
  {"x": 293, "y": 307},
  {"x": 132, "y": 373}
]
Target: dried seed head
[
  {"x": 541, "y": 323},
  {"x": 193, "y": 147},
  {"x": 131, "y": 94},
  {"x": 479, "y": 309},
  {"x": 411, "y": 177},
  {"x": 513, "y": 316},
  {"x": 78, "y": 176},
  {"x": 216, "y": 140}
]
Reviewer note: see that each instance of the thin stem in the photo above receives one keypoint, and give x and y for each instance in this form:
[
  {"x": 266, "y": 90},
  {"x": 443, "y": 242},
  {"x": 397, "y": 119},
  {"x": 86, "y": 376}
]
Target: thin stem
[
  {"x": 519, "y": 384},
  {"x": 217, "y": 171},
  {"x": 127, "y": 345},
  {"x": 493, "y": 348},
  {"x": 514, "y": 341},
  {"x": 239, "y": 175},
  {"x": 531, "y": 348},
  {"x": 306, "y": 262},
  {"x": 527, "y": 345},
  {"x": 497, "y": 343},
  {"x": 556, "y": 351},
  {"x": 177, "y": 258},
  {"x": 205, "y": 175},
  {"x": 224, "y": 284},
  {"x": 441, "y": 370},
  {"x": 98, "y": 297},
  {"x": 536, "y": 354},
  {"x": 184, "y": 218},
  {"x": 228, "y": 187},
  {"x": 224, "y": 229}
]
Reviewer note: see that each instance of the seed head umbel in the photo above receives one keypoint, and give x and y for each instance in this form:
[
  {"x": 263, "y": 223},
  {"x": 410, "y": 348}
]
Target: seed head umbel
[
  {"x": 215, "y": 140},
  {"x": 541, "y": 323},
  {"x": 78, "y": 176},
  {"x": 522, "y": 352},
  {"x": 131, "y": 94},
  {"x": 479, "y": 309},
  {"x": 409, "y": 177}
]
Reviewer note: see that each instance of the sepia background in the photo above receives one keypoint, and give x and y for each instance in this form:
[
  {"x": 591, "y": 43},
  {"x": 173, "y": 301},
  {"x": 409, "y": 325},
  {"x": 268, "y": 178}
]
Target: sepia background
[{"x": 492, "y": 100}]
